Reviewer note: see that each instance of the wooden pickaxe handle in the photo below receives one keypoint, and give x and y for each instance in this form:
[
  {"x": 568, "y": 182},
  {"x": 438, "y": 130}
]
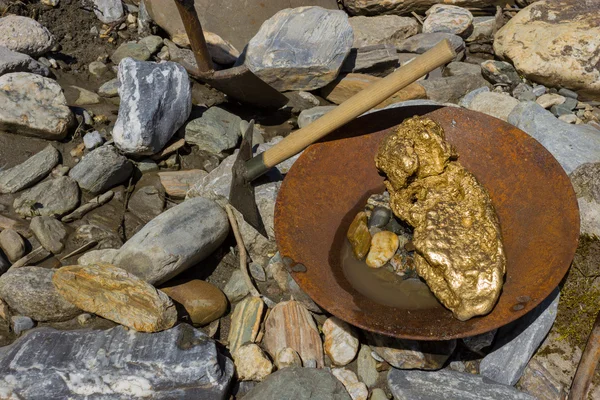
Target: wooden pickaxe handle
[
  {"x": 363, "y": 101},
  {"x": 193, "y": 28},
  {"x": 587, "y": 364}
]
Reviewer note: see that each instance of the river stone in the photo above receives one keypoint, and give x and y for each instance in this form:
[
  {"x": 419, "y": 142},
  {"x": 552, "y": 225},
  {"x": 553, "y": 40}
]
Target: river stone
[
  {"x": 54, "y": 198},
  {"x": 287, "y": 357},
  {"x": 448, "y": 19},
  {"x": 500, "y": 72},
  {"x": 555, "y": 43},
  {"x": 366, "y": 366},
  {"x": 447, "y": 384},
  {"x": 378, "y": 59},
  {"x": 30, "y": 171},
  {"x": 384, "y": 29},
  {"x": 117, "y": 295},
  {"x": 300, "y": 48},
  {"x": 483, "y": 29},
  {"x": 50, "y": 232},
  {"x": 357, "y": 390},
  {"x": 25, "y": 35},
  {"x": 20, "y": 324},
  {"x": 586, "y": 182},
  {"x": 299, "y": 384},
  {"x": 424, "y": 41},
  {"x": 33, "y": 106},
  {"x": 12, "y": 61},
  {"x": 245, "y": 322},
  {"x": 411, "y": 354},
  {"x": 153, "y": 43},
  {"x": 236, "y": 288},
  {"x": 456, "y": 68},
  {"x": 451, "y": 89},
  {"x": 202, "y": 301},
  {"x": 175, "y": 240},
  {"x": 571, "y": 145},
  {"x": 215, "y": 131},
  {"x": 12, "y": 244},
  {"x": 251, "y": 363},
  {"x": 108, "y": 11},
  {"x": 92, "y": 140},
  {"x": 101, "y": 169},
  {"x": 517, "y": 342},
  {"x": 117, "y": 363},
  {"x": 156, "y": 100},
  {"x": 109, "y": 89},
  {"x": 400, "y": 7},
  {"x": 497, "y": 105},
  {"x": 313, "y": 114},
  {"x": 136, "y": 51},
  {"x": 30, "y": 292},
  {"x": 341, "y": 343}
]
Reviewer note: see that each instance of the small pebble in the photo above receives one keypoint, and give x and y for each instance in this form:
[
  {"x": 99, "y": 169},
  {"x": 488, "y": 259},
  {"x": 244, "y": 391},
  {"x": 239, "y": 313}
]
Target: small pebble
[
  {"x": 310, "y": 363},
  {"x": 147, "y": 165},
  {"x": 539, "y": 90},
  {"x": 570, "y": 118},
  {"x": 559, "y": 110},
  {"x": 380, "y": 217},
  {"x": 568, "y": 93},
  {"x": 21, "y": 324},
  {"x": 257, "y": 272},
  {"x": 383, "y": 247},
  {"x": 287, "y": 357},
  {"x": 91, "y": 140},
  {"x": 87, "y": 118},
  {"x": 60, "y": 170},
  {"x": 378, "y": 394},
  {"x": 550, "y": 99},
  {"x": 84, "y": 319},
  {"x": 570, "y": 103}
]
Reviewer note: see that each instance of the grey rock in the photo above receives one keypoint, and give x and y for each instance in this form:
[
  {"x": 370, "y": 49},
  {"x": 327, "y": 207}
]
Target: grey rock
[
  {"x": 97, "y": 68},
  {"x": 560, "y": 110},
  {"x": 181, "y": 362},
  {"x": 101, "y": 169},
  {"x": 569, "y": 103},
  {"x": 299, "y": 384},
  {"x": 521, "y": 88},
  {"x": 85, "y": 97},
  {"x": 33, "y": 106},
  {"x": 478, "y": 342},
  {"x": 586, "y": 182},
  {"x": 518, "y": 341},
  {"x": 215, "y": 131},
  {"x": 236, "y": 289},
  {"x": 30, "y": 292},
  {"x": 30, "y": 171},
  {"x": 366, "y": 366},
  {"x": 500, "y": 72},
  {"x": 185, "y": 57},
  {"x": 107, "y": 239},
  {"x": 147, "y": 202},
  {"x": 451, "y": 89},
  {"x": 11, "y": 61},
  {"x": 25, "y": 35},
  {"x": 153, "y": 43},
  {"x": 457, "y": 68},
  {"x": 527, "y": 96},
  {"x": 257, "y": 272},
  {"x": 497, "y": 105},
  {"x": 93, "y": 139},
  {"x": 109, "y": 88},
  {"x": 483, "y": 29},
  {"x": 424, "y": 41},
  {"x": 108, "y": 11},
  {"x": 156, "y": 100},
  {"x": 571, "y": 145},
  {"x": 300, "y": 48},
  {"x": 383, "y": 29},
  {"x": 54, "y": 197},
  {"x": 468, "y": 98},
  {"x": 568, "y": 93},
  {"x": 380, "y": 217},
  {"x": 21, "y": 324},
  {"x": 50, "y": 232},
  {"x": 175, "y": 240},
  {"x": 137, "y": 51},
  {"x": 449, "y": 19},
  {"x": 104, "y": 256},
  {"x": 446, "y": 384},
  {"x": 539, "y": 90},
  {"x": 313, "y": 114},
  {"x": 257, "y": 134},
  {"x": 380, "y": 59},
  {"x": 146, "y": 165},
  {"x": 12, "y": 244}
]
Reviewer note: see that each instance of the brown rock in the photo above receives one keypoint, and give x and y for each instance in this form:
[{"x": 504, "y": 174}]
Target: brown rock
[
  {"x": 290, "y": 324},
  {"x": 359, "y": 235},
  {"x": 117, "y": 295},
  {"x": 177, "y": 183},
  {"x": 347, "y": 86},
  {"x": 245, "y": 322},
  {"x": 251, "y": 364},
  {"x": 202, "y": 301},
  {"x": 12, "y": 244}
]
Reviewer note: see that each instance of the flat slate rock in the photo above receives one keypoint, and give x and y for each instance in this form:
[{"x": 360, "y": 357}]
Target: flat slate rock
[
  {"x": 299, "y": 384},
  {"x": 518, "y": 341},
  {"x": 215, "y": 131},
  {"x": 448, "y": 385},
  {"x": 300, "y": 48},
  {"x": 52, "y": 198},
  {"x": 180, "y": 363},
  {"x": 571, "y": 145},
  {"x": 101, "y": 169},
  {"x": 12, "y": 61},
  {"x": 424, "y": 41},
  {"x": 30, "y": 171}
]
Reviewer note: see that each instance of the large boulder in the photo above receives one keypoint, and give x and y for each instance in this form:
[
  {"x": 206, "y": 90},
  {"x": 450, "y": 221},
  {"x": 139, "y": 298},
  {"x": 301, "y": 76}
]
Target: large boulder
[
  {"x": 25, "y": 35},
  {"x": 300, "y": 48},
  {"x": 402, "y": 7},
  {"x": 178, "y": 363},
  {"x": 555, "y": 43},
  {"x": 33, "y": 106},
  {"x": 175, "y": 240},
  {"x": 226, "y": 18},
  {"x": 156, "y": 99}
]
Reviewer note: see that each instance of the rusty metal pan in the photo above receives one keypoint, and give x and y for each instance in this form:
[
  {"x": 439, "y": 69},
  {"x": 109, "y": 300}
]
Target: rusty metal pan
[{"x": 533, "y": 197}]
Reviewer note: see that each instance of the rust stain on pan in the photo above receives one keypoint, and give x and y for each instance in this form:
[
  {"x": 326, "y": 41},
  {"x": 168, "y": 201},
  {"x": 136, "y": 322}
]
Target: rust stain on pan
[{"x": 533, "y": 197}]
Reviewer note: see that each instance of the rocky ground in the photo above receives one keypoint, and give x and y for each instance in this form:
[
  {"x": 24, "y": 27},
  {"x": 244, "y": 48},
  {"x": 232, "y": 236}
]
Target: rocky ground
[{"x": 119, "y": 272}]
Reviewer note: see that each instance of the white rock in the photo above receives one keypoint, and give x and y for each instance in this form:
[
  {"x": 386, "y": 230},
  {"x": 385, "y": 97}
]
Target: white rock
[
  {"x": 251, "y": 363},
  {"x": 357, "y": 390},
  {"x": 341, "y": 343},
  {"x": 25, "y": 35},
  {"x": 300, "y": 48},
  {"x": 287, "y": 357},
  {"x": 156, "y": 100},
  {"x": 32, "y": 105},
  {"x": 91, "y": 140},
  {"x": 108, "y": 11}
]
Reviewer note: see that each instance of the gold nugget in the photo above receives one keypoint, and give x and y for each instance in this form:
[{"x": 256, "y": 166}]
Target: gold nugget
[{"x": 456, "y": 231}]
